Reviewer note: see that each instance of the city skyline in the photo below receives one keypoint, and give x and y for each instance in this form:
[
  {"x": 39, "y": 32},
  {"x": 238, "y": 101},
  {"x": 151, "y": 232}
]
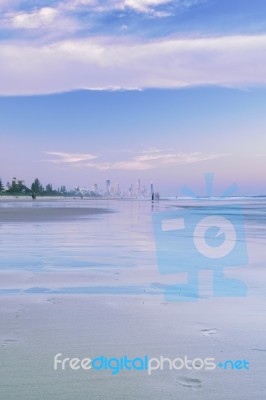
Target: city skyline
[{"x": 19, "y": 186}]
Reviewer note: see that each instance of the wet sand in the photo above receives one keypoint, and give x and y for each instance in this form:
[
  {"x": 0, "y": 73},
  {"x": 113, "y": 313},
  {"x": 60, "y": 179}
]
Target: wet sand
[
  {"x": 46, "y": 214},
  {"x": 43, "y": 310}
]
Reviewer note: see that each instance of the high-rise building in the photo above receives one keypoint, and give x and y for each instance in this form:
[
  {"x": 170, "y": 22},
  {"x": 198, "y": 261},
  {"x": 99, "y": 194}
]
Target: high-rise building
[
  {"x": 117, "y": 189},
  {"x": 108, "y": 184},
  {"x": 95, "y": 188},
  {"x": 144, "y": 191},
  {"x": 131, "y": 190},
  {"x": 138, "y": 188}
]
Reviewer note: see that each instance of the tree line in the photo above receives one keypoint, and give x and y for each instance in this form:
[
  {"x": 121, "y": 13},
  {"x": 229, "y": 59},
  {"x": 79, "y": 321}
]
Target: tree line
[{"x": 36, "y": 189}]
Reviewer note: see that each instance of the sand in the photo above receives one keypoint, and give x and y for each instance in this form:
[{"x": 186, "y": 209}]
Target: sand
[
  {"x": 44, "y": 311},
  {"x": 35, "y": 329},
  {"x": 46, "y": 214}
]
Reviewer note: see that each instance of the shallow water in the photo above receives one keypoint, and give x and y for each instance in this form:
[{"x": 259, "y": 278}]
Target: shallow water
[{"x": 101, "y": 253}]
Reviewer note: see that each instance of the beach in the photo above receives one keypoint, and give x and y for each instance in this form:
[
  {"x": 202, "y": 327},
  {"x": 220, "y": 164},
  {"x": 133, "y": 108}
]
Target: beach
[{"x": 81, "y": 278}]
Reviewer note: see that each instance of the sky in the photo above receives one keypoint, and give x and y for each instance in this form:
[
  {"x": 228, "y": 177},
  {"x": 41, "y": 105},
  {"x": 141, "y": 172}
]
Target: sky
[{"x": 155, "y": 90}]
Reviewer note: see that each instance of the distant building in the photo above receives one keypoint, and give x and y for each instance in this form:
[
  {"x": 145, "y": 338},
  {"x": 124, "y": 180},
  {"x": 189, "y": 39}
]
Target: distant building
[
  {"x": 108, "y": 184},
  {"x": 144, "y": 191},
  {"x": 117, "y": 189},
  {"x": 131, "y": 190},
  {"x": 138, "y": 188},
  {"x": 95, "y": 188},
  {"x": 18, "y": 182},
  {"x": 112, "y": 190}
]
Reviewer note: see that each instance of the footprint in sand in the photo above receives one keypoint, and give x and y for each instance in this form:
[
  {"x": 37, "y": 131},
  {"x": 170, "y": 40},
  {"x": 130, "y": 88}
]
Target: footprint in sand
[
  {"x": 209, "y": 332},
  {"x": 17, "y": 313},
  {"x": 55, "y": 300},
  {"x": 8, "y": 341},
  {"x": 193, "y": 384},
  {"x": 258, "y": 350}
]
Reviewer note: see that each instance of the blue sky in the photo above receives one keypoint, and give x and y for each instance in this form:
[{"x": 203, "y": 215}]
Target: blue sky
[{"x": 125, "y": 89}]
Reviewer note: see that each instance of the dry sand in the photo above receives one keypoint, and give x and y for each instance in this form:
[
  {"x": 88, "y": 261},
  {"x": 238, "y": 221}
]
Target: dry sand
[{"x": 33, "y": 330}]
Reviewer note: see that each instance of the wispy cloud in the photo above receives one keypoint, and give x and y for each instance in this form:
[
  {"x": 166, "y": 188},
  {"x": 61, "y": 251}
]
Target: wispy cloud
[
  {"x": 63, "y": 9},
  {"x": 45, "y": 16},
  {"x": 65, "y": 17},
  {"x": 44, "y": 19},
  {"x": 142, "y": 6},
  {"x": 71, "y": 158},
  {"x": 152, "y": 7},
  {"x": 156, "y": 159},
  {"x": 236, "y": 61},
  {"x": 149, "y": 159}
]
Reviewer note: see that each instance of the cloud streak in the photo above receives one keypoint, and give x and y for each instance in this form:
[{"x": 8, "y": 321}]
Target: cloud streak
[
  {"x": 147, "y": 160},
  {"x": 99, "y": 63},
  {"x": 34, "y": 17},
  {"x": 69, "y": 158},
  {"x": 150, "y": 7}
]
